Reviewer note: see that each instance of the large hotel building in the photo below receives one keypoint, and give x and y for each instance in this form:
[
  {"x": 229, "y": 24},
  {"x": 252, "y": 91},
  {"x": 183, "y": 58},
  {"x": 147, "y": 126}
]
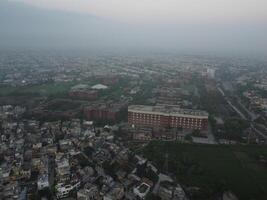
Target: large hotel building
[{"x": 167, "y": 116}]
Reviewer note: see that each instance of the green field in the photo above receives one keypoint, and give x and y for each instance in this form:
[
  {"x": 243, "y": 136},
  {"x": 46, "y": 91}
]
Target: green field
[
  {"x": 215, "y": 168},
  {"x": 46, "y": 89}
]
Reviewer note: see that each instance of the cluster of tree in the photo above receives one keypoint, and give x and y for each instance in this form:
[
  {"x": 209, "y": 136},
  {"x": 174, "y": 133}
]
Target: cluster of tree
[
  {"x": 208, "y": 100},
  {"x": 146, "y": 92},
  {"x": 233, "y": 129}
]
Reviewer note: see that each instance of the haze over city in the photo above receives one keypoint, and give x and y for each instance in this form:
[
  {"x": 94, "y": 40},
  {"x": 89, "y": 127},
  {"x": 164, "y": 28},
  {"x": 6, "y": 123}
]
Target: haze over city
[
  {"x": 133, "y": 100},
  {"x": 208, "y": 26}
]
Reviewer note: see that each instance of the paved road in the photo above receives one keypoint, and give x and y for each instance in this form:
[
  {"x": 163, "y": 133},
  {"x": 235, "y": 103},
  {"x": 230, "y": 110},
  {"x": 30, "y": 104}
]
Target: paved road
[
  {"x": 230, "y": 103},
  {"x": 162, "y": 177},
  {"x": 259, "y": 132},
  {"x": 252, "y": 115}
]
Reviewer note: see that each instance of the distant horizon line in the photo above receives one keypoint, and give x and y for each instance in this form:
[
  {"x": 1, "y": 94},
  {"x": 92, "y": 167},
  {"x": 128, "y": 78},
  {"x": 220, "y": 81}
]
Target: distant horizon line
[{"x": 125, "y": 50}]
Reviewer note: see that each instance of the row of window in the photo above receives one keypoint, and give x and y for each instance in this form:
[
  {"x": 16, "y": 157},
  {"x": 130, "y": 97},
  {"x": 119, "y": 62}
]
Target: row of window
[
  {"x": 173, "y": 122},
  {"x": 157, "y": 117},
  {"x": 187, "y": 119},
  {"x": 158, "y": 122}
]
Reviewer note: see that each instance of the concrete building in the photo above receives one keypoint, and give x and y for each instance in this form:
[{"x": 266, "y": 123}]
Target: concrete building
[
  {"x": 63, "y": 190},
  {"x": 115, "y": 193},
  {"x": 43, "y": 181},
  {"x": 167, "y": 116},
  {"x": 43, "y": 177},
  {"x": 142, "y": 190},
  {"x": 89, "y": 192},
  {"x": 169, "y": 190},
  {"x": 103, "y": 111},
  {"x": 143, "y": 134}
]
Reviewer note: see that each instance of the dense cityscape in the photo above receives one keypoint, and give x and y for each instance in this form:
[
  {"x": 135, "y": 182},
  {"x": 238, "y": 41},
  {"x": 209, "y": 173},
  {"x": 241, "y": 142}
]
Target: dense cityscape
[
  {"x": 79, "y": 125},
  {"x": 133, "y": 100}
]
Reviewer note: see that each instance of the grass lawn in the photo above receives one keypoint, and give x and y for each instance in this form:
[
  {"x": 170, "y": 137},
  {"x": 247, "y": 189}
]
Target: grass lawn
[
  {"x": 45, "y": 89},
  {"x": 212, "y": 168}
]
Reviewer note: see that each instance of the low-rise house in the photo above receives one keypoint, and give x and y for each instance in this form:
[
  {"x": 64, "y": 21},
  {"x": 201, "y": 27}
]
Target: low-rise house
[
  {"x": 88, "y": 192},
  {"x": 142, "y": 190},
  {"x": 63, "y": 167},
  {"x": 171, "y": 191},
  {"x": 63, "y": 190},
  {"x": 116, "y": 192},
  {"x": 43, "y": 181}
]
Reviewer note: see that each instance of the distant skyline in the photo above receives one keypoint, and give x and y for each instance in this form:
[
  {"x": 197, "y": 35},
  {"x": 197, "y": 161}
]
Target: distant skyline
[{"x": 216, "y": 26}]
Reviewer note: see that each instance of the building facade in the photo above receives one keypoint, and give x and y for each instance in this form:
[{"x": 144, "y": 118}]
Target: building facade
[
  {"x": 167, "y": 116},
  {"x": 104, "y": 111}
]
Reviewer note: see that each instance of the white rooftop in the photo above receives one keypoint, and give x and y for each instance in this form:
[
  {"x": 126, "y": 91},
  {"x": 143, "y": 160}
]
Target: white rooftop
[
  {"x": 167, "y": 110},
  {"x": 99, "y": 87}
]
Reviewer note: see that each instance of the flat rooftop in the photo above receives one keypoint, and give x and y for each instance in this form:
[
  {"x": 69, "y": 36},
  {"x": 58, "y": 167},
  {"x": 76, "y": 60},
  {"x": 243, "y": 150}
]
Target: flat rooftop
[{"x": 167, "y": 110}]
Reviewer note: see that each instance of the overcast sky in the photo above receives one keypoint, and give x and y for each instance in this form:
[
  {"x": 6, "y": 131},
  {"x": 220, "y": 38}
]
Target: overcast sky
[
  {"x": 208, "y": 25},
  {"x": 166, "y": 11}
]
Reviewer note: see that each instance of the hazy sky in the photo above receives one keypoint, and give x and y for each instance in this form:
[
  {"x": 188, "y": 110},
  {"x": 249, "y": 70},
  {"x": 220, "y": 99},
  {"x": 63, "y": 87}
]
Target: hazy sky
[
  {"x": 167, "y": 11},
  {"x": 232, "y": 26}
]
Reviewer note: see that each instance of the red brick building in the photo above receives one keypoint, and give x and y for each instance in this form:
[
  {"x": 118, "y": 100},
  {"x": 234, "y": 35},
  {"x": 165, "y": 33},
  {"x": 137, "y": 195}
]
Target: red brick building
[
  {"x": 167, "y": 116},
  {"x": 103, "y": 111}
]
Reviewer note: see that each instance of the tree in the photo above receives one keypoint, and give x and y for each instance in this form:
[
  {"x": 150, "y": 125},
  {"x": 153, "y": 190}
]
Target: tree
[
  {"x": 188, "y": 138},
  {"x": 234, "y": 128},
  {"x": 152, "y": 196},
  {"x": 195, "y": 132}
]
